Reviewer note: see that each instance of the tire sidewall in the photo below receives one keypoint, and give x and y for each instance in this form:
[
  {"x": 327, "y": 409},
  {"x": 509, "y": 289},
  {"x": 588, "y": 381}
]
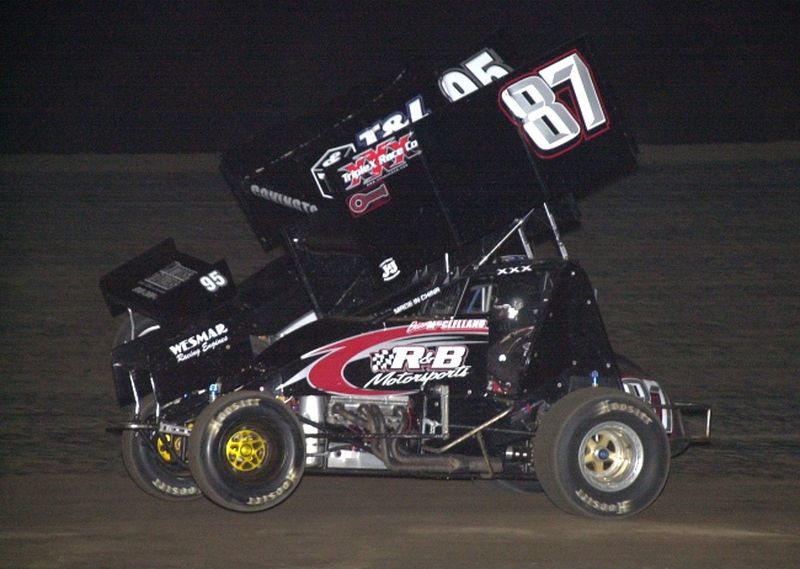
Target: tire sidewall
[
  {"x": 151, "y": 473},
  {"x": 578, "y": 493},
  {"x": 247, "y": 491}
]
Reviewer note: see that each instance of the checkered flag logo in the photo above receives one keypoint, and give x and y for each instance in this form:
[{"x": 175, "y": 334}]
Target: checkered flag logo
[{"x": 381, "y": 360}]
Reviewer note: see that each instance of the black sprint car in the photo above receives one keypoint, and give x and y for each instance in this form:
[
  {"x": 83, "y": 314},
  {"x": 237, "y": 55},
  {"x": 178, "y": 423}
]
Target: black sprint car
[{"x": 412, "y": 326}]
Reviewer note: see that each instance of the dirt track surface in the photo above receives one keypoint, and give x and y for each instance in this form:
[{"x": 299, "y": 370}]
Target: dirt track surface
[{"x": 697, "y": 268}]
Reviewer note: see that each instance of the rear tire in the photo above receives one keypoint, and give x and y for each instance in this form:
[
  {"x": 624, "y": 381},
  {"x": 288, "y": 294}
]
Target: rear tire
[
  {"x": 150, "y": 465},
  {"x": 601, "y": 453},
  {"x": 248, "y": 451}
]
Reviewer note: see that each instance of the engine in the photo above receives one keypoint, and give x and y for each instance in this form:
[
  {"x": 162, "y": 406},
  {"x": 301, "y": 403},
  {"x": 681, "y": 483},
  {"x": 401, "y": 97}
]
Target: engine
[
  {"x": 379, "y": 433},
  {"x": 345, "y": 414}
]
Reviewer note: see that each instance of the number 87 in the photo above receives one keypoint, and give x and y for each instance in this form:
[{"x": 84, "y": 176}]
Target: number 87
[{"x": 548, "y": 123}]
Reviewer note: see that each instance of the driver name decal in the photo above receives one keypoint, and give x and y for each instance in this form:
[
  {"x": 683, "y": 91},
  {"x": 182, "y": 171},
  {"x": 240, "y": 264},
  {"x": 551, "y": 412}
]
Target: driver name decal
[{"x": 479, "y": 324}]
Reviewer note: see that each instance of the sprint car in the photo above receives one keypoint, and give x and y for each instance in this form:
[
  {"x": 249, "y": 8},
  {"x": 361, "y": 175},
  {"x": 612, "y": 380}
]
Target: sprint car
[{"x": 412, "y": 326}]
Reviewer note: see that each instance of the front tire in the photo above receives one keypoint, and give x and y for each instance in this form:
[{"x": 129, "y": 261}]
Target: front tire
[
  {"x": 151, "y": 466},
  {"x": 248, "y": 451},
  {"x": 601, "y": 453}
]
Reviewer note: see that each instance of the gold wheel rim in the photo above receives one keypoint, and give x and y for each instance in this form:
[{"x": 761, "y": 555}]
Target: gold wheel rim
[
  {"x": 246, "y": 450},
  {"x": 163, "y": 449},
  {"x": 164, "y": 440},
  {"x": 611, "y": 456}
]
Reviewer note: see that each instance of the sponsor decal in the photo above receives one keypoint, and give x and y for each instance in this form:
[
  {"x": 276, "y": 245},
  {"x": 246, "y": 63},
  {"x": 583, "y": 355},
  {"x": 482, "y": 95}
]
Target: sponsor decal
[
  {"x": 479, "y": 70},
  {"x": 400, "y": 359},
  {"x": 417, "y": 300},
  {"x": 414, "y": 364},
  {"x": 164, "y": 280},
  {"x": 389, "y": 268},
  {"x": 415, "y": 111},
  {"x": 514, "y": 270},
  {"x": 197, "y": 344},
  {"x": 418, "y": 358},
  {"x": 380, "y": 161},
  {"x": 362, "y": 202},
  {"x": 145, "y": 293},
  {"x": 282, "y": 199},
  {"x": 329, "y": 158}
]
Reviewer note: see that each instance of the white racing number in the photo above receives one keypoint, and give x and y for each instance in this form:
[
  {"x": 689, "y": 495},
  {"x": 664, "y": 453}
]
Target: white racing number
[
  {"x": 479, "y": 70},
  {"x": 548, "y": 123},
  {"x": 213, "y": 281}
]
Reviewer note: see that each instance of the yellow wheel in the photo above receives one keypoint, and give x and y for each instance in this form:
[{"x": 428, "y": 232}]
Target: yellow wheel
[
  {"x": 147, "y": 458},
  {"x": 246, "y": 450},
  {"x": 164, "y": 441},
  {"x": 163, "y": 449}
]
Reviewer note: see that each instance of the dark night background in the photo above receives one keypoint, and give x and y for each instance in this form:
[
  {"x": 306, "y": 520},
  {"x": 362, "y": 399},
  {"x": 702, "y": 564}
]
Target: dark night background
[{"x": 200, "y": 76}]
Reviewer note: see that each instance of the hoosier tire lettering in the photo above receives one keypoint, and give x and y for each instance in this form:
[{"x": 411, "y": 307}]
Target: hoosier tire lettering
[
  {"x": 601, "y": 452},
  {"x": 175, "y": 490},
  {"x": 248, "y": 451},
  {"x": 605, "y": 407},
  {"x": 225, "y": 413},
  {"x": 620, "y": 508},
  {"x": 156, "y": 473},
  {"x": 283, "y": 488}
]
